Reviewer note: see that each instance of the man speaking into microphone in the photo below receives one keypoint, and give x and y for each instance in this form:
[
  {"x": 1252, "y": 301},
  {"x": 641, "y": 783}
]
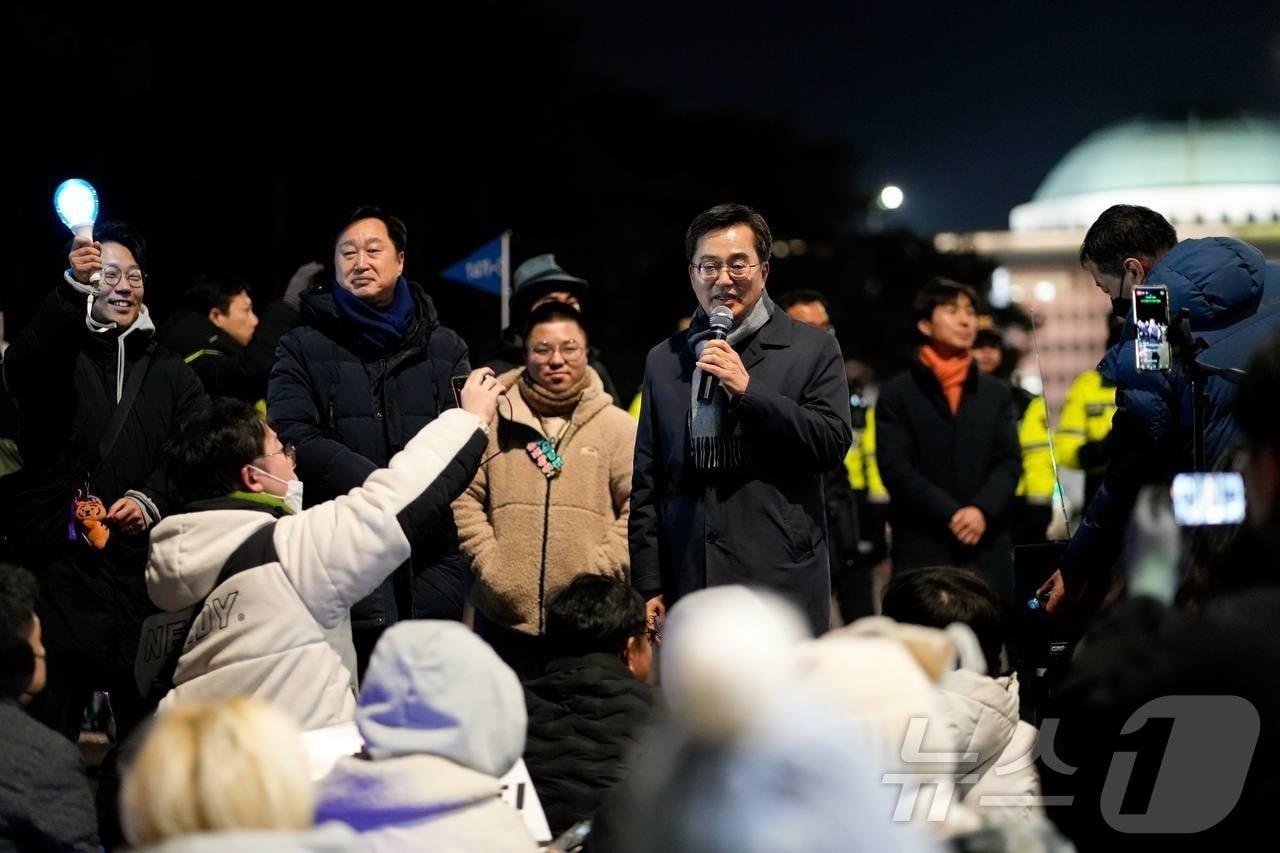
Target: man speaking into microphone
[{"x": 740, "y": 417}]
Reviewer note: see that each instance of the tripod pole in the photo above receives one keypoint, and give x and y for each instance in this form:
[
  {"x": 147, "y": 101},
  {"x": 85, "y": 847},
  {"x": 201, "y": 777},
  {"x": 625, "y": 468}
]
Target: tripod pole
[{"x": 1199, "y": 410}]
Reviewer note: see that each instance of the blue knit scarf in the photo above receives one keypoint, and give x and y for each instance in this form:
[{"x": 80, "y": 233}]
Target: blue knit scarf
[{"x": 381, "y": 329}]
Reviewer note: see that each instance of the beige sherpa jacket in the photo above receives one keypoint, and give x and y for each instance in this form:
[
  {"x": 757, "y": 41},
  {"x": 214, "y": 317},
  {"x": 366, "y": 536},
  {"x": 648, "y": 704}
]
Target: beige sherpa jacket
[{"x": 526, "y": 536}]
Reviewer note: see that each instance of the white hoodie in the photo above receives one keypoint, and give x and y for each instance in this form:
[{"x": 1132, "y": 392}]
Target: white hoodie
[
  {"x": 279, "y": 630},
  {"x": 443, "y": 719}
]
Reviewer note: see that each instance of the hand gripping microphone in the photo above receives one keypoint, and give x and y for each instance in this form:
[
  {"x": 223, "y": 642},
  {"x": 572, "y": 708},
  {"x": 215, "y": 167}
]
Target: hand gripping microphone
[{"x": 721, "y": 319}]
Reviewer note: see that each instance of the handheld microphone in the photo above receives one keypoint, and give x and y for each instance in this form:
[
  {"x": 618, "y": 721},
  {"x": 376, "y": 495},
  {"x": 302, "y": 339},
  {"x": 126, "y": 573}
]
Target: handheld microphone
[{"x": 721, "y": 320}]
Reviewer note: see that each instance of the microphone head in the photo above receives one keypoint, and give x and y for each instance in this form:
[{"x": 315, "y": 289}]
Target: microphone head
[{"x": 721, "y": 318}]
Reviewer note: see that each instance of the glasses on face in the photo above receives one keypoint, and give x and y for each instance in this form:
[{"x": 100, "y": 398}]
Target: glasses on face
[
  {"x": 111, "y": 277},
  {"x": 654, "y": 636},
  {"x": 569, "y": 350},
  {"x": 738, "y": 270},
  {"x": 288, "y": 451}
]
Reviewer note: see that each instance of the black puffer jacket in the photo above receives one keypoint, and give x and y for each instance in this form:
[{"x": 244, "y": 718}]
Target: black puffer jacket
[
  {"x": 227, "y": 368},
  {"x": 44, "y": 796},
  {"x": 585, "y": 714},
  {"x": 349, "y": 410}
]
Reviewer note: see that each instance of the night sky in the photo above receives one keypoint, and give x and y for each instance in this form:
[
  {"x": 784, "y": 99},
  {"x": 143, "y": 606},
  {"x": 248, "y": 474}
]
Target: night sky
[
  {"x": 235, "y": 139},
  {"x": 966, "y": 106}
]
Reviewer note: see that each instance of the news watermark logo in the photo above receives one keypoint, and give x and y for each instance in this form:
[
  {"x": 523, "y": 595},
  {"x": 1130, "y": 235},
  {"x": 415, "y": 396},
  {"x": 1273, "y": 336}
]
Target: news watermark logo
[{"x": 1201, "y": 773}]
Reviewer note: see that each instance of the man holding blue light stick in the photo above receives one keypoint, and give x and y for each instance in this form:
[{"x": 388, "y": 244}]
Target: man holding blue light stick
[{"x": 96, "y": 397}]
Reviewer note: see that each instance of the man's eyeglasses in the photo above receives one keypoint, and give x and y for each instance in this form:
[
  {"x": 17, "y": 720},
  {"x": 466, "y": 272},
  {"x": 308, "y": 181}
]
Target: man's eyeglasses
[
  {"x": 569, "y": 350},
  {"x": 111, "y": 277},
  {"x": 738, "y": 270},
  {"x": 654, "y": 635},
  {"x": 289, "y": 451}
]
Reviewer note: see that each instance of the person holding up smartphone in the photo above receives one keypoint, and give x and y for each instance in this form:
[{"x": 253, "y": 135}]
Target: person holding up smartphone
[{"x": 1224, "y": 284}]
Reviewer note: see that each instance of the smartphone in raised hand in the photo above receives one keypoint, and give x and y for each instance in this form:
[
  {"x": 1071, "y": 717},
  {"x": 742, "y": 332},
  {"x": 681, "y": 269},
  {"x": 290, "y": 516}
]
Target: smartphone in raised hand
[{"x": 1151, "y": 314}]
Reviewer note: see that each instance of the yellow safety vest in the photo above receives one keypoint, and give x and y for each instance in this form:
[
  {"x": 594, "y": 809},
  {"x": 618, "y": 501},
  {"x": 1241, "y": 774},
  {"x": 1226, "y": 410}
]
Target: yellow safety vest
[
  {"x": 854, "y": 464},
  {"x": 876, "y": 492},
  {"x": 1086, "y": 417},
  {"x": 1037, "y": 483}
]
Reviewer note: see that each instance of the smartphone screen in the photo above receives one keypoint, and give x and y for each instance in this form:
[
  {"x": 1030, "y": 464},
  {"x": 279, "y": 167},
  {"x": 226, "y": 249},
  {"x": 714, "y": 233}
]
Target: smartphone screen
[
  {"x": 457, "y": 382},
  {"x": 1151, "y": 314},
  {"x": 1206, "y": 499}
]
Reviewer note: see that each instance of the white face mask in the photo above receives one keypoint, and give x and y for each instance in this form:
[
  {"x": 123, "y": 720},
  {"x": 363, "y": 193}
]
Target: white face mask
[{"x": 292, "y": 490}]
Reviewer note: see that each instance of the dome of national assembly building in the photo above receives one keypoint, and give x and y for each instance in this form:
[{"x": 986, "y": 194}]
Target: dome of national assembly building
[{"x": 1196, "y": 170}]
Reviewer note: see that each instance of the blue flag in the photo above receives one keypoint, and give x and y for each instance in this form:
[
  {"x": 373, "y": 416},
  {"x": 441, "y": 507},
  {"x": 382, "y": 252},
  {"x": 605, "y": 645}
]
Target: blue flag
[{"x": 482, "y": 269}]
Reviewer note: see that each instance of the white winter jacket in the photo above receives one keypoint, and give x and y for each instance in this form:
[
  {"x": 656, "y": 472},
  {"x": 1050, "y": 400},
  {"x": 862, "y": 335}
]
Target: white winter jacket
[
  {"x": 982, "y": 714},
  {"x": 278, "y": 627}
]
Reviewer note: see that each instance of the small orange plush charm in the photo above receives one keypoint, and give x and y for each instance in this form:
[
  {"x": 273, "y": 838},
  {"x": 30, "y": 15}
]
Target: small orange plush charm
[{"x": 90, "y": 516}]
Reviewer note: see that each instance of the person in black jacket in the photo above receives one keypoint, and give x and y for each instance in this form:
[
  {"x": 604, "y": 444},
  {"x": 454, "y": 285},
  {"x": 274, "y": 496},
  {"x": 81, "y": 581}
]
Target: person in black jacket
[
  {"x": 370, "y": 366},
  {"x": 44, "y": 798},
  {"x": 728, "y": 489},
  {"x": 97, "y": 397},
  {"x": 850, "y": 576},
  {"x": 218, "y": 333},
  {"x": 586, "y": 712},
  {"x": 947, "y": 444}
]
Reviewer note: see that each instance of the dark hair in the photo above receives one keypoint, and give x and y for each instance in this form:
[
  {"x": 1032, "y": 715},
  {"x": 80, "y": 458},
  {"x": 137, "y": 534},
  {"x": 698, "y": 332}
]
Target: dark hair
[
  {"x": 1257, "y": 405},
  {"x": 801, "y": 297},
  {"x": 214, "y": 290},
  {"x": 990, "y": 336},
  {"x": 552, "y": 312},
  {"x": 937, "y": 597},
  {"x": 938, "y": 292},
  {"x": 126, "y": 235},
  {"x": 594, "y": 613},
  {"x": 724, "y": 216},
  {"x": 18, "y": 590},
  {"x": 203, "y": 460},
  {"x": 395, "y": 227},
  {"x": 1126, "y": 231}
]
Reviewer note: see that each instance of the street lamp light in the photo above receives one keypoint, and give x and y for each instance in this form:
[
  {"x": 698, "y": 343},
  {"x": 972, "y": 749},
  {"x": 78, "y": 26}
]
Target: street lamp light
[{"x": 891, "y": 198}]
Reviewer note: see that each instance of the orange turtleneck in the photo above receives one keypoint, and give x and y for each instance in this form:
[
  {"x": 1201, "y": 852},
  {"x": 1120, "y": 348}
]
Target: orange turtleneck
[{"x": 951, "y": 371}]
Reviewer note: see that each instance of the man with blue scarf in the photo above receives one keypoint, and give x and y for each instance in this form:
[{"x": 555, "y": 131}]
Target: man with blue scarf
[
  {"x": 370, "y": 366},
  {"x": 727, "y": 486}
]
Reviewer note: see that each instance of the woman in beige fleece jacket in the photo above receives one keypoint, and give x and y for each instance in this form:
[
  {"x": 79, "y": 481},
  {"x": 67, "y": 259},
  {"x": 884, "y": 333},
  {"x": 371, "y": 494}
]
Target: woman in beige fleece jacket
[{"x": 553, "y": 498}]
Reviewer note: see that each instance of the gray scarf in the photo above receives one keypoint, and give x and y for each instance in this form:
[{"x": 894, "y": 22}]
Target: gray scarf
[{"x": 715, "y": 435}]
